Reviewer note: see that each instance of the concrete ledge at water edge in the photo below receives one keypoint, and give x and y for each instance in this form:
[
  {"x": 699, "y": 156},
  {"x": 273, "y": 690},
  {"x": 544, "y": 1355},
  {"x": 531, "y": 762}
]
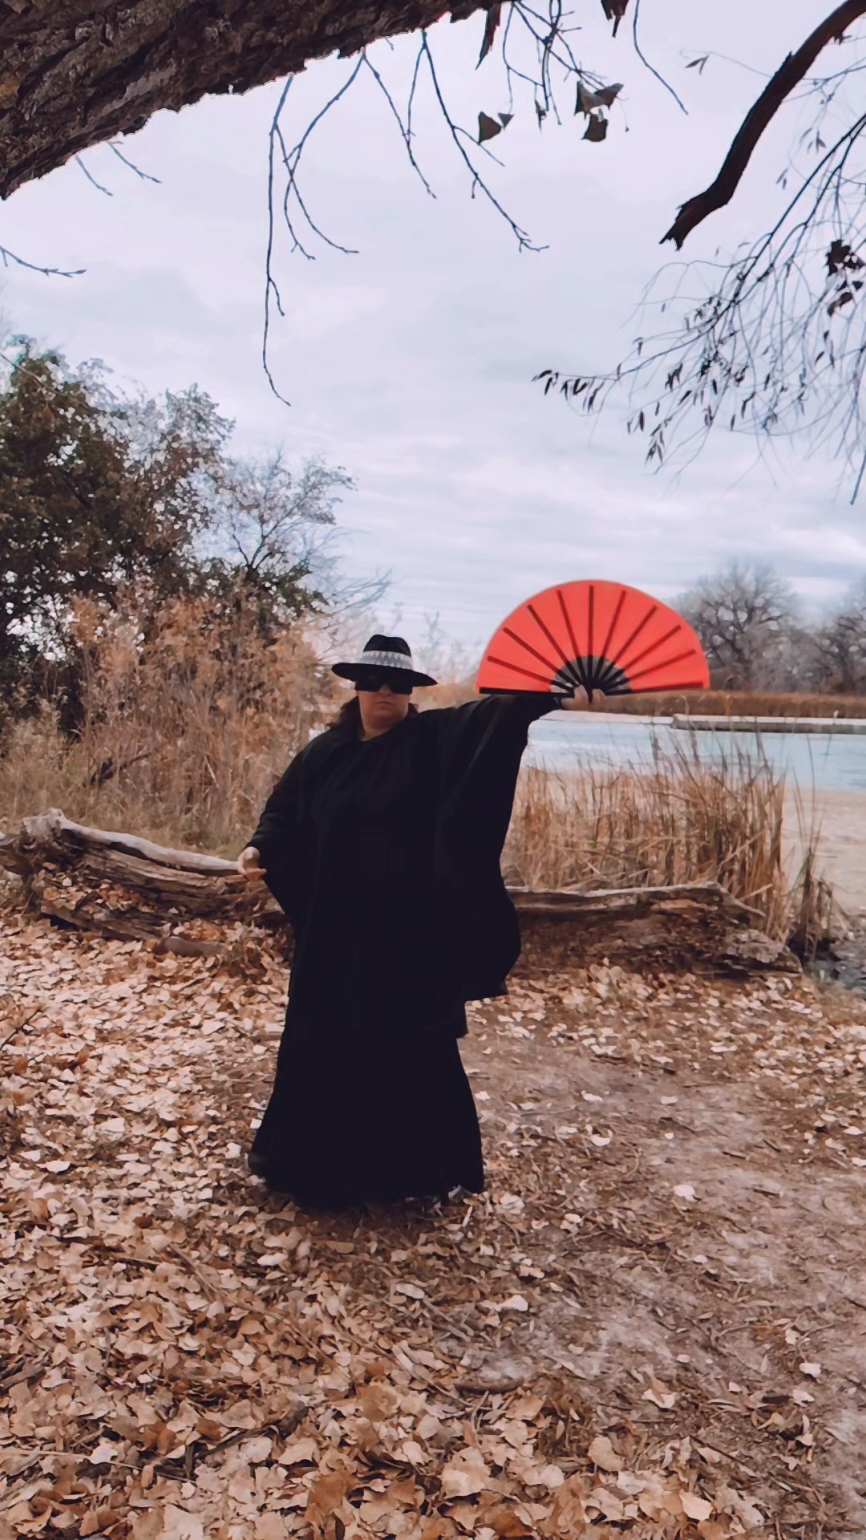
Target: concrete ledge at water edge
[{"x": 770, "y": 724}]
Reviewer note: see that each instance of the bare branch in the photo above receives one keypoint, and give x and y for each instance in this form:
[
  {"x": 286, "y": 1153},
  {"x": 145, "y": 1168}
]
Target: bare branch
[
  {"x": 772, "y": 341},
  {"x": 651, "y": 67},
  {"x": 536, "y": 49},
  {"x": 271, "y": 290},
  {"x": 787, "y": 76},
  {"x": 405, "y": 128},
  {"x": 7, "y": 256},
  {"x": 92, "y": 179},
  {"x": 144, "y": 175},
  {"x": 523, "y": 240}
]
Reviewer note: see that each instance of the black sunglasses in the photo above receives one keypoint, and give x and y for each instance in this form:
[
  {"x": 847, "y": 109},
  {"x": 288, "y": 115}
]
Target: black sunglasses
[{"x": 373, "y": 679}]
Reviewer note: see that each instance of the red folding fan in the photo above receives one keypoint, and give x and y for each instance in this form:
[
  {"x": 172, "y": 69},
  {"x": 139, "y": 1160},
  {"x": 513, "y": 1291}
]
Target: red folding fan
[{"x": 604, "y": 636}]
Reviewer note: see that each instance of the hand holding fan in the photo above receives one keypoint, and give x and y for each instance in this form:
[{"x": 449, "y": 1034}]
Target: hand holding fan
[{"x": 604, "y": 636}]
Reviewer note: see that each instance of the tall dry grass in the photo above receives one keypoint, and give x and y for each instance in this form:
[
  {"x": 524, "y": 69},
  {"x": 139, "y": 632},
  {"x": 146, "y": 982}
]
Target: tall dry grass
[
  {"x": 184, "y": 732},
  {"x": 683, "y": 820}
]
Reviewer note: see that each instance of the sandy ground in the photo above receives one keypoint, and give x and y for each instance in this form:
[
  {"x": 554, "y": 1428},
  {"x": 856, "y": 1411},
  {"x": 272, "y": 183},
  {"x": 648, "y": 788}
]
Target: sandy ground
[
  {"x": 654, "y": 1318},
  {"x": 840, "y": 817}
]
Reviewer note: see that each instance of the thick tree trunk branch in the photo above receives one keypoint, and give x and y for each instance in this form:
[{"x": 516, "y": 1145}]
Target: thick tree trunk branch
[
  {"x": 791, "y": 72},
  {"x": 78, "y": 72}
]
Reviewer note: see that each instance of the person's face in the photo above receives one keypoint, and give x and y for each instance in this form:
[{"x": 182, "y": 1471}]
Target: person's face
[{"x": 383, "y": 702}]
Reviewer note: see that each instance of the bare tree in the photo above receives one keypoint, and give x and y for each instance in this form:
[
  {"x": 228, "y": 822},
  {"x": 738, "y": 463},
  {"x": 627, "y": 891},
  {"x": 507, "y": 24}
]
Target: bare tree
[
  {"x": 272, "y": 529},
  {"x": 744, "y": 616},
  {"x": 840, "y": 645},
  {"x": 271, "y": 540}
]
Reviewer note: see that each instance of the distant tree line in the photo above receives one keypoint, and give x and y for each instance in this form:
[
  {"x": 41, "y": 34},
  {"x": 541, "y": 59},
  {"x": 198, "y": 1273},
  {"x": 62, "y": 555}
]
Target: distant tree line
[
  {"x": 111, "y": 501},
  {"x": 752, "y": 627}
]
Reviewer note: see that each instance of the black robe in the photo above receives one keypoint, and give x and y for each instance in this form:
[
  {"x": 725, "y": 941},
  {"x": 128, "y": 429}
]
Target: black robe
[{"x": 385, "y": 856}]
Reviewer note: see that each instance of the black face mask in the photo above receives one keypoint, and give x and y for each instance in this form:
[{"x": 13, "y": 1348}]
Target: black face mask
[{"x": 373, "y": 679}]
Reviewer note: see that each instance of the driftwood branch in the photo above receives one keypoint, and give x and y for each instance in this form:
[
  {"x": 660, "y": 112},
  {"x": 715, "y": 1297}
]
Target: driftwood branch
[
  {"x": 760, "y": 115},
  {"x": 120, "y": 886},
  {"x": 684, "y": 926},
  {"x": 117, "y": 885}
]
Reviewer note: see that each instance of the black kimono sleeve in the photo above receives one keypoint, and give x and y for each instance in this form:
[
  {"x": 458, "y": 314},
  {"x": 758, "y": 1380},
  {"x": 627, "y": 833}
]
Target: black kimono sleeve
[
  {"x": 282, "y": 841},
  {"x": 479, "y": 749},
  {"x": 481, "y": 746}
]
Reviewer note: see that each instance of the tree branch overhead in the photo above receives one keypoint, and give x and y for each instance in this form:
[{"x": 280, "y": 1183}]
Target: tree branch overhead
[
  {"x": 77, "y": 73},
  {"x": 758, "y": 118}
]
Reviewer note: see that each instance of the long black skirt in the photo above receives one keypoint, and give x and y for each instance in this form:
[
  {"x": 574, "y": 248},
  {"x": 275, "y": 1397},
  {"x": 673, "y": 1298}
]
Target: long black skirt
[{"x": 371, "y": 1117}]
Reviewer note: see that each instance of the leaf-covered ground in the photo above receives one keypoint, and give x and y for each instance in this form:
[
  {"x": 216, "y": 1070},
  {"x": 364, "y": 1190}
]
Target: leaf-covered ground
[{"x": 652, "y": 1323}]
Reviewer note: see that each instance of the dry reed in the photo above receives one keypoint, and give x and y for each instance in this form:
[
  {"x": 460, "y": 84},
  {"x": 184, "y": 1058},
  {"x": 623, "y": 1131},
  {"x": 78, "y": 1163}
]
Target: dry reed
[{"x": 682, "y": 820}]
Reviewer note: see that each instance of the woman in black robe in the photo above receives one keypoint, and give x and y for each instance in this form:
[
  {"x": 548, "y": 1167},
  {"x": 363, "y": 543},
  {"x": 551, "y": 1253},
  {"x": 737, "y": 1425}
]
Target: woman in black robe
[{"x": 382, "y": 843}]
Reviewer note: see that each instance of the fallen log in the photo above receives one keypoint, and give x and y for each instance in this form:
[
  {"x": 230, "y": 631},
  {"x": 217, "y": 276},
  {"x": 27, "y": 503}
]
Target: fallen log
[
  {"x": 122, "y": 886},
  {"x": 685, "y": 926},
  {"x": 117, "y": 885}
]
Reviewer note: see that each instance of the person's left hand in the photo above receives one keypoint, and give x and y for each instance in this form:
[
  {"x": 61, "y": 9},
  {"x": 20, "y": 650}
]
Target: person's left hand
[
  {"x": 250, "y": 865},
  {"x": 580, "y": 701}
]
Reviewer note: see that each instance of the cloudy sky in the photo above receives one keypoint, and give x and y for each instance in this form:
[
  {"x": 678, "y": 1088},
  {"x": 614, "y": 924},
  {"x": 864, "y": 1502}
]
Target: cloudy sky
[{"x": 411, "y": 362}]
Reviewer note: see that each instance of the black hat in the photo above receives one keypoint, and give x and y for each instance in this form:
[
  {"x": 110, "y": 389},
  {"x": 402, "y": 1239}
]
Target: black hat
[{"x": 387, "y": 652}]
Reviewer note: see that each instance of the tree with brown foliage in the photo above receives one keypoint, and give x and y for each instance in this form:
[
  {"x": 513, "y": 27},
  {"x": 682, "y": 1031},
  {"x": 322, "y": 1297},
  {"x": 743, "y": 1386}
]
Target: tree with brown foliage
[
  {"x": 95, "y": 493},
  {"x": 112, "y": 501}
]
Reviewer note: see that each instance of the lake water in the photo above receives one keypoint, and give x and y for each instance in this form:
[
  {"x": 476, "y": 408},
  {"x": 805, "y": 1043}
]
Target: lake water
[{"x": 569, "y": 741}]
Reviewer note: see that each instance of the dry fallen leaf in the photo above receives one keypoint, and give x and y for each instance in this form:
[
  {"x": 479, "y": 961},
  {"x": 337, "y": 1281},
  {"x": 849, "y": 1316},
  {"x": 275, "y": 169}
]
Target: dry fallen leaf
[
  {"x": 695, "y": 1507},
  {"x": 326, "y": 1495},
  {"x": 660, "y": 1396},
  {"x": 511, "y": 1204},
  {"x": 568, "y": 1514},
  {"x": 728, "y": 1500},
  {"x": 514, "y": 1302},
  {"x": 465, "y": 1474},
  {"x": 603, "y": 1454}
]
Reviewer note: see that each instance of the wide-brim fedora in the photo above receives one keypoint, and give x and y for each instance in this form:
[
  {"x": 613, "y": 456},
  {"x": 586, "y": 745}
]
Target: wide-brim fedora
[{"x": 383, "y": 652}]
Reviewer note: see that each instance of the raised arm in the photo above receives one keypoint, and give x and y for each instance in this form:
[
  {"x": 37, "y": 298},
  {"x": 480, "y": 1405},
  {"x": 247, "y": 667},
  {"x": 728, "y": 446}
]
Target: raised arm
[
  {"x": 479, "y": 749},
  {"x": 488, "y": 733},
  {"x": 480, "y": 746}
]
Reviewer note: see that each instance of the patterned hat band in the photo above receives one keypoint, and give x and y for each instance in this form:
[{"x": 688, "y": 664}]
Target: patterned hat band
[
  {"x": 379, "y": 654},
  {"x": 384, "y": 660}
]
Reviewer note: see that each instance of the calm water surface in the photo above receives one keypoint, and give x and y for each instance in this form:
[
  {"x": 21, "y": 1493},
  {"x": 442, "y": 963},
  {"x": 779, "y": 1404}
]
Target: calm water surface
[{"x": 823, "y": 760}]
